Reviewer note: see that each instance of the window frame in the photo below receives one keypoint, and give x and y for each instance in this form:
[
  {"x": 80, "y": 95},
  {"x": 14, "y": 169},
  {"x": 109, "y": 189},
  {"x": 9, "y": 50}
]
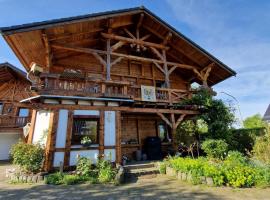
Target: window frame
[{"x": 75, "y": 139}]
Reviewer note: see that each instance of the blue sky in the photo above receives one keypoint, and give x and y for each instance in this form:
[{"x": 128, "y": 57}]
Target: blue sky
[{"x": 235, "y": 31}]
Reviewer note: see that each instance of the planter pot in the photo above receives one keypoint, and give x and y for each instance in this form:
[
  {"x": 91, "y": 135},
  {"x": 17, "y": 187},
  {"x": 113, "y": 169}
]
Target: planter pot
[
  {"x": 86, "y": 144},
  {"x": 209, "y": 181},
  {"x": 170, "y": 172}
]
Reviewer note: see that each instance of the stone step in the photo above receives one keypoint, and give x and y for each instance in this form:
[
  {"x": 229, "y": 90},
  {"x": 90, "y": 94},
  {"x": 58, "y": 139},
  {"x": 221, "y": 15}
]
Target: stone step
[{"x": 139, "y": 166}]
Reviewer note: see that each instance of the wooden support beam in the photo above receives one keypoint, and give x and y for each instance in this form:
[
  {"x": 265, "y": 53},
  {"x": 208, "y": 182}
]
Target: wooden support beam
[
  {"x": 130, "y": 34},
  {"x": 99, "y": 58},
  {"x": 162, "y": 116},
  {"x": 108, "y": 108},
  {"x": 32, "y": 128},
  {"x": 165, "y": 66},
  {"x": 156, "y": 52},
  {"x": 117, "y": 45},
  {"x": 101, "y": 133},
  {"x": 48, "y": 52},
  {"x": 133, "y": 41},
  {"x": 159, "y": 67},
  {"x": 118, "y": 138},
  {"x": 108, "y": 63},
  {"x": 131, "y": 57},
  {"x": 167, "y": 38},
  {"x": 179, "y": 120},
  {"x": 117, "y": 60}
]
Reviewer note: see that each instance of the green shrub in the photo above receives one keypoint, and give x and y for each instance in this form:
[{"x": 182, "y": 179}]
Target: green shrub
[
  {"x": 84, "y": 166},
  {"x": 162, "y": 168},
  {"x": 236, "y": 158},
  {"x": 105, "y": 171},
  {"x": 261, "y": 149},
  {"x": 235, "y": 170},
  {"x": 72, "y": 179},
  {"x": 215, "y": 148},
  {"x": 54, "y": 179},
  {"x": 29, "y": 157}
]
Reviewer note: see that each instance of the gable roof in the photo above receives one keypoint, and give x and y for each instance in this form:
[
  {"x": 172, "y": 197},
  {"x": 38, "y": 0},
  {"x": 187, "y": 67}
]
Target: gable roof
[
  {"x": 266, "y": 115},
  {"x": 192, "y": 51},
  {"x": 8, "y": 71}
]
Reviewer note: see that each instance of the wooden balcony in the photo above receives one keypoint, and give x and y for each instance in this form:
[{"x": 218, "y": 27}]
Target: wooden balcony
[
  {"x": 53, "y": 85},
  {"x": 13, "y": 121}
]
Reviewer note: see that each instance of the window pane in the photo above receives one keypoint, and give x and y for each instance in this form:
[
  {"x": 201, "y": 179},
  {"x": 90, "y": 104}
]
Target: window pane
[
  {"x": 85, "y": 127},
  {"x": 24, "y": 112},
  {"x": 1, "y": 108}
]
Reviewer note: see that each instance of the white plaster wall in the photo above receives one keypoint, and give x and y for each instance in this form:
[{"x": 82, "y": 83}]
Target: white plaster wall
[
  {"x": 62, "y": 129},
  {"x": 58, "y": 157},
  {"x": 109, "y": 128},
  {"x": 109, "y": 154},
  {"x": 41, "y": 127},
  {"x": 7, "y": 139},
  {"x": 91, "y": 154},
  {"x": 86, "y": 112}
]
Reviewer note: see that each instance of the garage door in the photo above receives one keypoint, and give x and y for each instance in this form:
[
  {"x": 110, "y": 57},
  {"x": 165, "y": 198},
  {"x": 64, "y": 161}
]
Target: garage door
[{"x": 6, "y": 141}]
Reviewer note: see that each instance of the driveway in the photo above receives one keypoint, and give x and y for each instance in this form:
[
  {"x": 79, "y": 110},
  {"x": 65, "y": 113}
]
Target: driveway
[{"x": 153, "y": 188}]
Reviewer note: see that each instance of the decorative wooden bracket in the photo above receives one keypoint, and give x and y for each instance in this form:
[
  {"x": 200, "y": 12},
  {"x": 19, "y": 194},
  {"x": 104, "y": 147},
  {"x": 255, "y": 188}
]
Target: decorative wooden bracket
[
  {"x": 165, "y": 119},
  {"x": 173, "y": 124}
]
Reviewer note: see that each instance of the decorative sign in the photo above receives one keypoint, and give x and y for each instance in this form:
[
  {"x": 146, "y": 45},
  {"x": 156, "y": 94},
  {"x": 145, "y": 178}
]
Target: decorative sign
[{"x": 148, "y": 93}]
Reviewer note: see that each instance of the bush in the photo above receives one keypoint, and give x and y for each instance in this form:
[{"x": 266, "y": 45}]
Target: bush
[
  {"x": 215, "y": 148},
  {"x": 54, "y": 179},
  {"x": 162, "y": 168},
  {"x": 261, "y": 149},
  {"x": 235, "y": 170},
  {"x": 106, "y": 172},
  {"x": 72, "y": 179},
  {"x": 84, "y": 166},
  {"x": 29, "y": 157}
]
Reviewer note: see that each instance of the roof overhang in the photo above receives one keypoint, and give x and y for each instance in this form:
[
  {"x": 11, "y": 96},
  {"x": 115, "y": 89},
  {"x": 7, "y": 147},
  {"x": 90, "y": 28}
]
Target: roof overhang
[{"x": 18, "y": 39}]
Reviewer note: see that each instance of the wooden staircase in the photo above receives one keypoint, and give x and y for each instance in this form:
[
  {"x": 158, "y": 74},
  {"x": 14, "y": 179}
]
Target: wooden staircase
[{"x": 140, "y": 170}]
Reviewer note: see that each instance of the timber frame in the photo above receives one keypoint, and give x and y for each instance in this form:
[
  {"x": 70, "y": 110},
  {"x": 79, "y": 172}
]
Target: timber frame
[{"x": 128, "y": 67}]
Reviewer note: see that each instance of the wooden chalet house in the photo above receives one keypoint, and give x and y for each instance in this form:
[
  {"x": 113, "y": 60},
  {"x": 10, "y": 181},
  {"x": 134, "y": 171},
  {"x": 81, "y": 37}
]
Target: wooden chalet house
[
  {"x": 115, "y": 76},
  {"x": 13, "y": 116}
]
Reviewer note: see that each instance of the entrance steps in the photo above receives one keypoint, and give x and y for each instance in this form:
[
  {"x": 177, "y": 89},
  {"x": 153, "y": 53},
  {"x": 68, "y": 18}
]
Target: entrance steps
[{"x": 140, "y": 170}]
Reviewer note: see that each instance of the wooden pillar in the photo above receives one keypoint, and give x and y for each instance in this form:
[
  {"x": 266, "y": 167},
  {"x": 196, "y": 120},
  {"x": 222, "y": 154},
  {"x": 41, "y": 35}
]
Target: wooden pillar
[
  {"x": 50, "y": 146},
  {"x": 101, "y": 133},
  {"x": 165, "y": 66},
  {"x": 68, "y": 139},
  {"x": 118, "y": 138},
  {"x": 108, "y": 63},
  {"x": 32, "y": 127}
]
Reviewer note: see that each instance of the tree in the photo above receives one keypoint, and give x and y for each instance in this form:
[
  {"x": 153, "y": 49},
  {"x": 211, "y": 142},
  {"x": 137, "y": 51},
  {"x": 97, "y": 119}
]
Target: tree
[
  {"x": 214, "y": 113},
  {"x": 254, "y": 121}
]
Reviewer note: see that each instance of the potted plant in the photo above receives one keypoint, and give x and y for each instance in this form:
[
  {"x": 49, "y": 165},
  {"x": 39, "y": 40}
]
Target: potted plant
[{"x": 86, "y": 141}]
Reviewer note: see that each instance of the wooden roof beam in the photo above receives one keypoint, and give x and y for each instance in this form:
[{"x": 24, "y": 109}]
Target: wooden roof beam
[
  {"x": 133, "y": 41},
  {"x": 131, "y": 57},
  {"x": 48, "y": 51},
  {"x": 167, "y": 38}
]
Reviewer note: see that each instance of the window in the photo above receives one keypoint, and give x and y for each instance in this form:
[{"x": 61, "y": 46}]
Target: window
[
  {"x": 1, "y": 108},
  {"x": 160, "y": 84},
  {"x": 84, "y": 127},
  {"x": 24, "y": 112}
]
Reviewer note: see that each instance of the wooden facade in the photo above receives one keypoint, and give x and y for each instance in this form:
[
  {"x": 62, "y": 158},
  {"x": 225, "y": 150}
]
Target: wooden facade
[
  {"x": 127, "y": 69},
  {"x": 13, "y": 87}
]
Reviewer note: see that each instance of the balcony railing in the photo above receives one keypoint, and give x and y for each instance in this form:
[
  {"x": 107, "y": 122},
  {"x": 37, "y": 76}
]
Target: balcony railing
[
  {"x": 55, "y": 85},
  {"x": 13, "y": 121}
]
